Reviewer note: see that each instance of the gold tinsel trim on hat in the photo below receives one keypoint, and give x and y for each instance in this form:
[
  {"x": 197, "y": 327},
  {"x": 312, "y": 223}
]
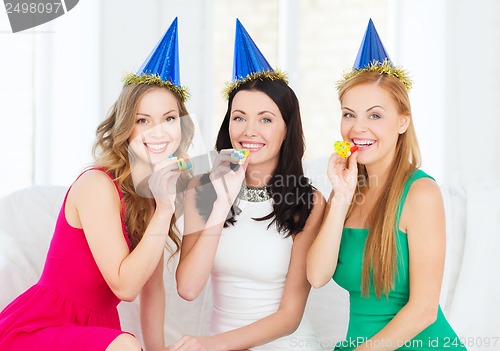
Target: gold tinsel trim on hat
[
  {"x": 154, "y": 79},
  {"x": 382, "y": 68},
  {"x": 272, "y": 75}
]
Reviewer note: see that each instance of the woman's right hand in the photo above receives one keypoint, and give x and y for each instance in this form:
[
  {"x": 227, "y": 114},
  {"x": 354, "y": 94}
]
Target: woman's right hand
[
  {"x": 226, "y": 182},
  {"x": 343, "y": 175},
  {"x": 163, "y": 183}
]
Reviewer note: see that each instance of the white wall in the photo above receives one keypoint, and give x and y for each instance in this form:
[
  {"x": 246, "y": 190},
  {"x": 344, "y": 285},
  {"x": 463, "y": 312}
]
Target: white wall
[
  {"x": 473, "y": 76},
  {"x": 59, "y": 79},
  {"x": 451, "y": 49}
]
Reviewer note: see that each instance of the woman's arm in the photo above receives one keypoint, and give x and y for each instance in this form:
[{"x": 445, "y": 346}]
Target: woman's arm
[
  {"x": 153, "y": 310},
  {"x": 96, "y": 208},
  {"x": 423, "y": 220},
  {"x": 199, "y": 243},
  {"x": 201, "y": 238},
  {"x": 323, "y": 254},
  {"x": 289, "y": 314}
]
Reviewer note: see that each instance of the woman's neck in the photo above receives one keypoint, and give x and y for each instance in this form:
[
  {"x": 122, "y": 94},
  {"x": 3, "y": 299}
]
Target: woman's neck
[
  {"x": 258, "y": 176},
  {"x": 376, "y": 177}
]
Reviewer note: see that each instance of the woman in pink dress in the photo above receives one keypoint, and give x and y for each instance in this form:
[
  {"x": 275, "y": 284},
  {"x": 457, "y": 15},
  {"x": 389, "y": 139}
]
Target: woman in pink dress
[{"x": 109, "y": 239}]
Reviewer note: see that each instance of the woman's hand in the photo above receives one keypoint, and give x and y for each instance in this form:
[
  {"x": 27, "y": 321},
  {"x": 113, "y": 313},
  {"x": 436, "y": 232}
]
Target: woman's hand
[
  {"x": 343, "y": 174},
  {"x": 188, "y": 343},
  {"x": 226, "y": 181},
  {"x": 163, "y": 183}
]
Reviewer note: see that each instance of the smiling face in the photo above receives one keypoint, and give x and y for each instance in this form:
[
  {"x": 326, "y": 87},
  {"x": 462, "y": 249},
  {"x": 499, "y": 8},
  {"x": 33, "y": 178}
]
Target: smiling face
[
  {"x": 371, "y": 120},
  {"x": 256, "y": 124},
  {"x": 157, "y": 128}
]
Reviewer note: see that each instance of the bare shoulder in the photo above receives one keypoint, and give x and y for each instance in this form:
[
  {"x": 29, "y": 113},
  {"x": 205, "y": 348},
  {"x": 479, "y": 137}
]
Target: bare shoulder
[
  {"x": 92, "y": 191},
  {"x": 423, "y": 205},
  {"x": 95, "y": 184},
  {"x": 424, "y": 192}
]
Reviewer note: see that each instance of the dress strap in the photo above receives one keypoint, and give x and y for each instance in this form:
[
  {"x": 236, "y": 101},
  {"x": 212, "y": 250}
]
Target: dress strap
[{"x": 417, "y": 174}]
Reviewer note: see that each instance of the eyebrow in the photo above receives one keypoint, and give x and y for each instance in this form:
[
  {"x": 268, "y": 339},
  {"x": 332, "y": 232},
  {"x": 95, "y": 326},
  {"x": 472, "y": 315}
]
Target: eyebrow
[
  {"x": 260, "y": 113},
  {"x": 239, "y": 111},
  {"x": 371, "y": 108},
  {"x": 145, "y": 114},
  {"x": 347, "y": 108}
]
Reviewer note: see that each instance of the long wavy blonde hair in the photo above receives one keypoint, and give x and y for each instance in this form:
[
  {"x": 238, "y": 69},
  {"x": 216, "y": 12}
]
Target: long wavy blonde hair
[
  {"x": 111, "y": 152},
  {"x": 380, "y": 252}
]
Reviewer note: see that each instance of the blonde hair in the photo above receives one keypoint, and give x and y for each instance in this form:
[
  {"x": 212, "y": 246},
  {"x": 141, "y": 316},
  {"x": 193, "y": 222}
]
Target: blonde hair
[
  {"x": 111, "y": 153},
  {"x": 380, "y": 252}
]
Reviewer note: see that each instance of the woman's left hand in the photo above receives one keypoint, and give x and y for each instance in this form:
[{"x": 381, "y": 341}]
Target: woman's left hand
[{"x": 189, "y": 343}]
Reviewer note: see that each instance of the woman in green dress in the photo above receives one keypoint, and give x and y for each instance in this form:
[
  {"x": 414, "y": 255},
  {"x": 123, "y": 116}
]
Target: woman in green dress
[{"x": 383, "y": 234}]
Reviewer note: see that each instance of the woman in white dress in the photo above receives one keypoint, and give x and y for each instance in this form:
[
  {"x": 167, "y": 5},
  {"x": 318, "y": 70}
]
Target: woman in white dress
[
  {"x": 250, "y": 221},
  {"x": 256, "y": 255}
]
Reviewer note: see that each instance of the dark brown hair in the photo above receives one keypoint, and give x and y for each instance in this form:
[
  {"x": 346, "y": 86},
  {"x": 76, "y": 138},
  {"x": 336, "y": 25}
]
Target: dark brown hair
[{"x": 288, "y": 180}]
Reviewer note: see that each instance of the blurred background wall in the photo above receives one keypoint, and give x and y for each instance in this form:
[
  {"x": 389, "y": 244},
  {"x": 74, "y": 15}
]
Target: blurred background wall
[{"x": 59, "y": 79}]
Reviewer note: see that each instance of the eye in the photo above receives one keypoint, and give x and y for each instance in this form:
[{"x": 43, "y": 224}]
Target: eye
[
  {"x": 238, "y": 119},
  {"x": 170, "y": 119},
  {"x": 375, "y": 116},
  {"x": 141, "y": 120},
  {"x": 348, "y": 115},
  {"x": 266, "y": 120}
]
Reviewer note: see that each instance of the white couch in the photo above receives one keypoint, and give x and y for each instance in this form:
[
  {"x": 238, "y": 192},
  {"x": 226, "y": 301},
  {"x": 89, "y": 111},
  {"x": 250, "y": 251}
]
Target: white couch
[{"x": 471, "y": 286}]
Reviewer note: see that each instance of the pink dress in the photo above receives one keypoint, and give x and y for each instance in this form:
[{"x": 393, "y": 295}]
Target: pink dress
[{"x": 71, "y": 307}]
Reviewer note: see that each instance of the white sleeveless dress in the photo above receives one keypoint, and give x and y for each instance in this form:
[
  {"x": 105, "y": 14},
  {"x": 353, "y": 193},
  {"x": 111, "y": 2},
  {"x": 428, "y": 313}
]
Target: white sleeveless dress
[{"x": 249, "y": 275}]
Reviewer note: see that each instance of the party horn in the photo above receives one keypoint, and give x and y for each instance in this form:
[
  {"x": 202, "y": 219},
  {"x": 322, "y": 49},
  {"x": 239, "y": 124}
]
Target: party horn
[
  {"x": 344, "y": 149},
  {"x": 239, "y": 156}
]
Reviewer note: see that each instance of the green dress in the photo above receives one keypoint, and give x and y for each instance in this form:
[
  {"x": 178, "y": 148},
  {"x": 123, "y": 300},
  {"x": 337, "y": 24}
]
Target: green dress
[{"x": 369, "y": 315}]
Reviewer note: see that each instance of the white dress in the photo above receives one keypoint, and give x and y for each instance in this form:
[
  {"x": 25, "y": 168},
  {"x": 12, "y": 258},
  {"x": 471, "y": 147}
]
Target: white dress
[{"x": 249, "y": 275}]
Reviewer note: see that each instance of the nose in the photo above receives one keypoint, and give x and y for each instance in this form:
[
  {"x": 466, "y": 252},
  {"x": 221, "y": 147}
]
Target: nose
[
  {"x": 359, "y": 125},
  {"x": 250, "y": 130},
  {"x": 157, "y": 130}
]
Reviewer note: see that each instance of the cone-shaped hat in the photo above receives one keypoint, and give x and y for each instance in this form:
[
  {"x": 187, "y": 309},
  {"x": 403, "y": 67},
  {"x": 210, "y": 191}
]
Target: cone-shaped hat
[
  {"x": 371, "y": 50},
  {"x": 372, "y": 57},
  {"x": 164, "y": 59},
  {"x": 162, "y": 65},
  {"x": 247, "y": 57},
  {"x": 249, "y": 63}
]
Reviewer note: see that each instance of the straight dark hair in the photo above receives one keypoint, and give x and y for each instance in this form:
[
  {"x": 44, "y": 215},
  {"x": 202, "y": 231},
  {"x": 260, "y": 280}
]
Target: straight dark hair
[{"x": 291, "y": 191}]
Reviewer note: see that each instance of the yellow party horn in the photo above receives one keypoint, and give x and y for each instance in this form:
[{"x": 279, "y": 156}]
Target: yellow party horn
[{"x": 344, "y": 149}]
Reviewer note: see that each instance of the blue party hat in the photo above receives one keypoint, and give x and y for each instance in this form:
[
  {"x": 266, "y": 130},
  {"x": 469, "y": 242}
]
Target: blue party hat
[
  {"x": 372, "y": 49},
  {"x": 249, "y": 63},
  {"x": 247, "y": 57},
  {"x": 372, "y": 57},
  {"x": 162, "y": 65}
]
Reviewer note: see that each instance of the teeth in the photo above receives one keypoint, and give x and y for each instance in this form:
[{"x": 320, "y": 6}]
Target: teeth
[
  {"x": 363, "y": 142},
  {"x": 156, "y": 147},
  {"x": 252, "y": 146}
]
